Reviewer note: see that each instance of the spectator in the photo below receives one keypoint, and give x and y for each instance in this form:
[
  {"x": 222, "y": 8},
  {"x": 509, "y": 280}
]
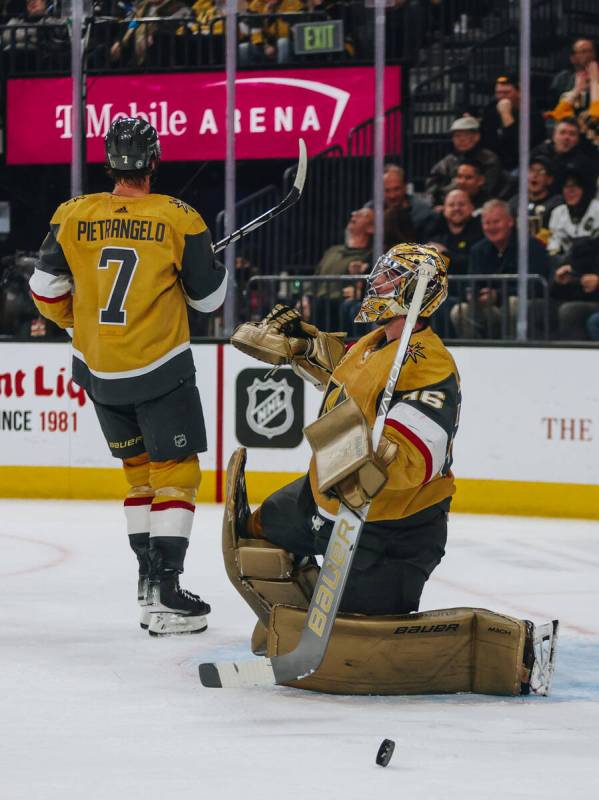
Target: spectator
[
  {"x": 140, "y": 38},
  {"x": 576, "y": 217},
  {"x": 209, "y": 24},
  {"x": 542, "y": 198},
  {"x": 564, "y": 149},
  {"x": 583, "y": 52},
  {"x": 456, "y": 230},
  {"x": 406, "y": 216},
  {"x": 582, "y": 104},
  {"x": 205, "y": 12},
  {"x": 49, "y": 36},
  {"x": 352, "y": 300},
  {"x": 268, "y": 37},
  {"x": 592, "y": 327},
  {"x": 336, "y": 260},
  {"x": 500, "y": 123},
  {"x": 470, "y": 179},
  {"x": 575, "y": 286},
  {"x": 18, "y": 314},
  {"x": 483, "y": 314},
  {"x": 588, "y": 119},
  {"x": 465, "y": 138}
]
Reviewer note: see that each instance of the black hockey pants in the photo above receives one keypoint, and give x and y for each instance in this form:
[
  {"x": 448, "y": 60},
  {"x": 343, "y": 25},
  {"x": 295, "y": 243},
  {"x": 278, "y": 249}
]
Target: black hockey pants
[{"x": 393, "y": 560}]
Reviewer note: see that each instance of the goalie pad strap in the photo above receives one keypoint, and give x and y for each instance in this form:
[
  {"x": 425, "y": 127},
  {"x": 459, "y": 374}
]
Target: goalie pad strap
[{"x": 434, "y": 652}]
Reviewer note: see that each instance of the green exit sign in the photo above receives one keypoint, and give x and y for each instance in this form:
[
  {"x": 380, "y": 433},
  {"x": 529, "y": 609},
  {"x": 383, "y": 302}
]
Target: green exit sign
[{"x": 318, "y": 37}]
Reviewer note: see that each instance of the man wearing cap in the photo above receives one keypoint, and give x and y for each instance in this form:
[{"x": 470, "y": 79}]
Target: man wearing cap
[
  {"x": 499, "y": 124},
  {"x": 465, "y": 138}
]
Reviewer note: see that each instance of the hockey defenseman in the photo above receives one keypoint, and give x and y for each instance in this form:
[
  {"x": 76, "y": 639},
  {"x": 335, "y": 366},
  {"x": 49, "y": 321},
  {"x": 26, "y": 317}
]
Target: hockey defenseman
[
  {"x": 378, "y": 644},
  {"x": 118, "y": 268}
]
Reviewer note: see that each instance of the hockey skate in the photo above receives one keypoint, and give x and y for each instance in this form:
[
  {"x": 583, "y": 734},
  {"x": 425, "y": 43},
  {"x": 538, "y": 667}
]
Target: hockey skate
[
  {"x": 172, "y": 610},
  {"x": 142, "y": 601},
  {"x": 539, "y": 656}
]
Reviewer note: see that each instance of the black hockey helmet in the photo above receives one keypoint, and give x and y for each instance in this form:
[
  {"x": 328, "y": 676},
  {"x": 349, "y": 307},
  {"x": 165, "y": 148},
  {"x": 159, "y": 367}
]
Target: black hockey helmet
[{"x": 131, "y": 144}]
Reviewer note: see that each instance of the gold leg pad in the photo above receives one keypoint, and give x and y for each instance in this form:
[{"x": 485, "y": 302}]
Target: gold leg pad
[
  {"x": 433, "y": 652},
  {"x": 262, "y": 573}
]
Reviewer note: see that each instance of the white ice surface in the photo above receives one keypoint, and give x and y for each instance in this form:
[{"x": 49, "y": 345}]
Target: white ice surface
[{"x": 91, "y": 708}]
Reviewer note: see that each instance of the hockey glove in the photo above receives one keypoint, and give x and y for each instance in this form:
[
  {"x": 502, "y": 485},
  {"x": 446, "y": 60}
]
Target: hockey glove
[{"x": 284, "y": 338}]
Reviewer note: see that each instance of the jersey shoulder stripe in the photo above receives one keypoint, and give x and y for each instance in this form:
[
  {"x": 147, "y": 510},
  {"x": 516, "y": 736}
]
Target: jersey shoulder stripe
[{"x": 428, "y": 436}]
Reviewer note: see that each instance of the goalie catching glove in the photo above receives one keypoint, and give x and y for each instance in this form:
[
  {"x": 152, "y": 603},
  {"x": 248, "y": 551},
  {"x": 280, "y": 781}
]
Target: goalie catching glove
[
  {"x": 346, "y": 464},
  {"x": 284, "y": 338}
]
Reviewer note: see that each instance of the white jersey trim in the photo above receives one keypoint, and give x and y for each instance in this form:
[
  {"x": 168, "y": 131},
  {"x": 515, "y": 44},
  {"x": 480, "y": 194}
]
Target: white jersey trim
[
  {"x": 134, "y": 373},
  {"x": 44, "y": 284},
  {"x": 325, "y": 514},
  {"x": 431, "y": 434},
  {"x": 213, "y": 301}
]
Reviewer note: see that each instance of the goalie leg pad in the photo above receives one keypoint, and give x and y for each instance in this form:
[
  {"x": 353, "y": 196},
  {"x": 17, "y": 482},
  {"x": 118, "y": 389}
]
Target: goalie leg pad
[
  {"x": 433, "y": 652},
  {"x": 262, "y": 573}
]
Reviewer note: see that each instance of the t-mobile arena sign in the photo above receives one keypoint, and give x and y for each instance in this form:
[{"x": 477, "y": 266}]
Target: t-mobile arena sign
[{"x": 273, "y": 109}]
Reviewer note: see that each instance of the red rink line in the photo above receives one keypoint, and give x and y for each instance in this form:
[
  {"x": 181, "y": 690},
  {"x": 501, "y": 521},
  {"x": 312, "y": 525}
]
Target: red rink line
[
  {"x": 461, "y": 587},
  {"x": 63, "y": 555}
]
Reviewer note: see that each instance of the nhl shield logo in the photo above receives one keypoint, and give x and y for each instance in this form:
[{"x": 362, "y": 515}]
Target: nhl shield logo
[{"x": 270, "y": 409}]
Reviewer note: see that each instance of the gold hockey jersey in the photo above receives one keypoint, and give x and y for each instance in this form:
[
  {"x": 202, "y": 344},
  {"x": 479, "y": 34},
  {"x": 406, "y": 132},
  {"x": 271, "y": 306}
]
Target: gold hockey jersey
[
  {"x": 422, "y": 419},
  {"x": 119, "y": 271}
]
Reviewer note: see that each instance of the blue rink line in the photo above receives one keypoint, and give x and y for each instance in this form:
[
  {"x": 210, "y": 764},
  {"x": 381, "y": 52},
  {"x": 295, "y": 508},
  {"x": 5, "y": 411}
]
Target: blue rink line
[{"x": 576, "y": 675}]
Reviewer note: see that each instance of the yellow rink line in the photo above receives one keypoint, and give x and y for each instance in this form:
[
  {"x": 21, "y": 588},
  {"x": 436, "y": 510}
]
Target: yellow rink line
[{"x": 473, "y": 496}]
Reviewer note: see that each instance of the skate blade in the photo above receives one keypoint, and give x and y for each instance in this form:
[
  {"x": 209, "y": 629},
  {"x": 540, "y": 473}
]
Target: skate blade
[{"x": 175, "y": 624}]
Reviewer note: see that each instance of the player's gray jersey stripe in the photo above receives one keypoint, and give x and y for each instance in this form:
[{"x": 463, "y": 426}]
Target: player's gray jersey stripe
[{"x": 134, "y": 373}]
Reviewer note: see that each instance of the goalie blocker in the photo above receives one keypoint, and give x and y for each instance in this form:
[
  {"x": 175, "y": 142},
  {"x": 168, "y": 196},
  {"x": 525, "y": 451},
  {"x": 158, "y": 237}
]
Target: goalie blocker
[{"x": 433, "y": 652}]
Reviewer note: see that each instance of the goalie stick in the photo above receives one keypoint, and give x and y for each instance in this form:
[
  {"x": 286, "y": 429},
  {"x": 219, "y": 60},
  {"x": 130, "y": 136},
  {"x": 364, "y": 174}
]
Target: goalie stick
[
  {"x": 318, "y": 626},
  {"x": 292, "y": 197}
]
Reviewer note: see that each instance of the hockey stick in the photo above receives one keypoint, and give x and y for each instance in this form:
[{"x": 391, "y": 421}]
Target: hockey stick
[
  {"x": 292, "y": 197},
  {"x": 318, "y": 626}
]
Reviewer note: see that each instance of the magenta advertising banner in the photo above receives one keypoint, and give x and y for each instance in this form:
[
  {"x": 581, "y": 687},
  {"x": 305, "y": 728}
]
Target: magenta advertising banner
[{"x": 273, "y": 109}]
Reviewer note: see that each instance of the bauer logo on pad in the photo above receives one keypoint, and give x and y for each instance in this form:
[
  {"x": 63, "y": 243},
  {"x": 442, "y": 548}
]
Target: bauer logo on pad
[{"x": 269, "y": 408}]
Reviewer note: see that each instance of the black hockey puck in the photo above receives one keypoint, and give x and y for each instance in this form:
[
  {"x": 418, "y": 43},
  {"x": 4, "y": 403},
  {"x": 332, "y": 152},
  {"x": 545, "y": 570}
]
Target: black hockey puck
[{"x": 383, "y": 757}]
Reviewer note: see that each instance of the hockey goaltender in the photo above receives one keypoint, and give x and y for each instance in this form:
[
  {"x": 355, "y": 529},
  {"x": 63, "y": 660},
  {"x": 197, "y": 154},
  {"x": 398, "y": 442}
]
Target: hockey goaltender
[{"x": 379, "y": 644}]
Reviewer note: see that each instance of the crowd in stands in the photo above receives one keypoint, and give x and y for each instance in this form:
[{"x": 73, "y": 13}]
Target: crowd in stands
[
  {"x": 468, "y": 212},
  {"x": 138, "y": 33},
  {"x": 467, "y": 209}
]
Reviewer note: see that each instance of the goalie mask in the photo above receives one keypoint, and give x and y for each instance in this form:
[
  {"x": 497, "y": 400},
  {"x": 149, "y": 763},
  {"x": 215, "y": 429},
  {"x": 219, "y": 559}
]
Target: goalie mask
[
  {"x": 131, "y": 144},
  {"x": 392, "y": 282}
]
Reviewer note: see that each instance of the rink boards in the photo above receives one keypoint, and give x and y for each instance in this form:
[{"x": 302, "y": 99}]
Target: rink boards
[{"x": 528, "y": 441}]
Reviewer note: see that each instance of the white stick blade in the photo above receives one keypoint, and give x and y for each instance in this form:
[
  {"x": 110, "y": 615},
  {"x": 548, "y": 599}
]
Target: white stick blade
[{"x": 237, "y": 674}]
